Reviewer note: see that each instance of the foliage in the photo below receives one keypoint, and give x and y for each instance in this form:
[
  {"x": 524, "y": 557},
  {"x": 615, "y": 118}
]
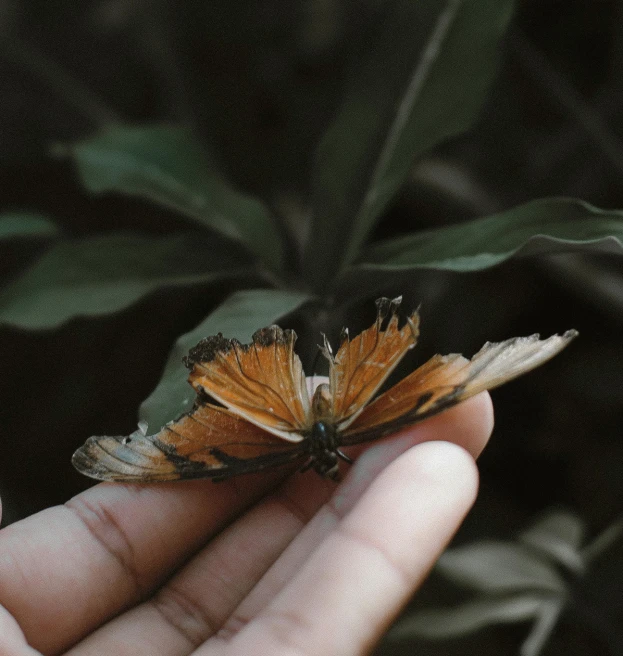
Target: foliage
[
  {"x": 531, "y": 579},
  {"x": 414, "y": 88}
]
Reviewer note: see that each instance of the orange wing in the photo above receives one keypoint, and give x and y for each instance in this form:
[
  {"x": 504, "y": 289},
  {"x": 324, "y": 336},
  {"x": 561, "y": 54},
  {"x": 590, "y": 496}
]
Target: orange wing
[
  {"x": 209, "y": 442},
  {"x": 361, "y": 365},
  {"x": 447, "y": 380},
  {"x": 262, "y": 382}
]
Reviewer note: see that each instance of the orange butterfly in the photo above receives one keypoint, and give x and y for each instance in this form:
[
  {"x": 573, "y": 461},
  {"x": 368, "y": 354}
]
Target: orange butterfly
[{"x": 269, "y": 418}]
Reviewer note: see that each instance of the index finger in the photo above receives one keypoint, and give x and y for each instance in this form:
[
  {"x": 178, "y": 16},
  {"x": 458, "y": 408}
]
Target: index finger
[{"x": 349, "y": 589}]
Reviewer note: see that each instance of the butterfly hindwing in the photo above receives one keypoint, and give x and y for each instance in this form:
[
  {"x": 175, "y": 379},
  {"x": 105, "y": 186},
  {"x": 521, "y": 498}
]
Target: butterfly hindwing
[
  {"x": 209, "y": 442},
  {"x": 444, "y": 381}
]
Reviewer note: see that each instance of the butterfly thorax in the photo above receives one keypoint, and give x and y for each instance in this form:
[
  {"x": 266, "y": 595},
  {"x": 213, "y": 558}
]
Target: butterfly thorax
[
  {"x": 322, "y": 403},
  {"x": 323, "y": 437}
]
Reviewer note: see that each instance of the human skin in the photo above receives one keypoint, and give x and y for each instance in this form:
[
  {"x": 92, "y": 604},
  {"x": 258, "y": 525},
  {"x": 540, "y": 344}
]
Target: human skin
[{"x": 254, "y": 565}]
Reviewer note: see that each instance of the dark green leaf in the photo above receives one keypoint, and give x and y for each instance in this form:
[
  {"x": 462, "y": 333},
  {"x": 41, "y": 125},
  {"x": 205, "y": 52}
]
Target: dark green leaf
[
  {"x": 423, "y": 80},
  {"x": 499, "y": 567},
  {"x": 26, "y": 224},
  {"x": 167, "y": 165},
  {"x": 99, "y": 275},
  {"x": 545, "y": 226},
  {"x": 468, "y": 617},
  {"x": 239, "y": 316}
]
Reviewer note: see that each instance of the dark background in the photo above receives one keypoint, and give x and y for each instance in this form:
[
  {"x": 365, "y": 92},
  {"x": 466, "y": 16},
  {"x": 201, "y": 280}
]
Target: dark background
[{"x": 259, "y": 81}]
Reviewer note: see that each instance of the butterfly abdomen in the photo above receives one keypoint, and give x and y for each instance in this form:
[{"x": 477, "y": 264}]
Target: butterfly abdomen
[{"x": 324, "y": 450}]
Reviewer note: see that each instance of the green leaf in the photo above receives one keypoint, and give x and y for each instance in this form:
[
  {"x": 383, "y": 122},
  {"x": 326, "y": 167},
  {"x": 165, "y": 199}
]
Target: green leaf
[
  {"x": 26, "y": 224},
  {"x": 423, "y": 80},
  {"x": 468, "y": 617},
  {"x": 104, "y": 274},
  {"x": 239, "y": 316},
  {"x": 540, "y": 227},
  {"x": 499, "y": 567},
  {"x": 558, "y": 535},
  {"x": 167, "y": 165}
]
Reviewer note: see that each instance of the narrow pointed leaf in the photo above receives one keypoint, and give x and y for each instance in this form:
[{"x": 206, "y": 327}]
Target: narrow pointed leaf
[
  {"x": 608, "y": 537},
  {"x": 558, "y": 535},
  {"x": 540, "y": 227},
  {"x": 422, "y": 80},
  {"x": 239, "y": 316},
  {"x": 167, "y": 165},
  {"x": 499, "y": 567},
  {"x": 26, "y": 224},
  {"x": 546, "y": 620},
  {"x": 104, "y": 274},
  {"x": 468, "y": 617}
]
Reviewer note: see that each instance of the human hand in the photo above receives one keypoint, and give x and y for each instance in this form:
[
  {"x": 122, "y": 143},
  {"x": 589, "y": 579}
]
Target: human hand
[{"x": 239, "y": 568}]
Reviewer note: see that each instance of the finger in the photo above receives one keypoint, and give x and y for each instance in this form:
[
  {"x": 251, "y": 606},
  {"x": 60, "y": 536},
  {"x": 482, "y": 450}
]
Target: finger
[
  {"x": 468, "y": 425},
  {"x": 105, "y": 549},
  {"x": 355, "y": 583},
  {"x": 196, "y": 603}
]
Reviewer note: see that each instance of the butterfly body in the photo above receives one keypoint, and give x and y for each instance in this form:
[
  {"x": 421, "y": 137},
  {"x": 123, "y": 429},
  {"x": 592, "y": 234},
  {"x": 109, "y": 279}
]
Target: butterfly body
[
  {"x": 255, "y": 409},
  {"x": 324, "y": 451}
]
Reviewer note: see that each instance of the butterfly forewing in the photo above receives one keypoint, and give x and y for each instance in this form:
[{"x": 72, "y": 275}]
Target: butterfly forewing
[
  {"x": 210, "y": 442},
  {"x": 422, "y": 389},
  {"x": 362, "y": 364},
  {"x": 262, "y": 382},
  {"x": 445, "y": 381}
]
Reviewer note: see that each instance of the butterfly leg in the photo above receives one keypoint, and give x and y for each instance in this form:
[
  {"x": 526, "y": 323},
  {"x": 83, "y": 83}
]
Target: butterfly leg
[{"x": 344, "y": 457}]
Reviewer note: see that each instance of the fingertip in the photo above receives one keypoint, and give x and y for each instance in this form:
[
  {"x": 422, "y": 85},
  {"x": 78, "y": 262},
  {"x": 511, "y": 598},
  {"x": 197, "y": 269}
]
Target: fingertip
[
  {"x": 422, "y": 497},
  {"x": 476, "y": 420},
  {"x": 442, "y": 466}
]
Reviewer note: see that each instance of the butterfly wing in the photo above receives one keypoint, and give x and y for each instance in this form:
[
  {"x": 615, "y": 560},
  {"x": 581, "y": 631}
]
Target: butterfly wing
[
  {"x": 209, "y": 442},
  {"x": 262, "y": 382},
  {"x": 444, "y": 381},
  {"x": 362, "y": 364}
]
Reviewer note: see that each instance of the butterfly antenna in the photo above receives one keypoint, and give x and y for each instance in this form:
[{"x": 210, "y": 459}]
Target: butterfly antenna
[{"x": 325, "y": 350}]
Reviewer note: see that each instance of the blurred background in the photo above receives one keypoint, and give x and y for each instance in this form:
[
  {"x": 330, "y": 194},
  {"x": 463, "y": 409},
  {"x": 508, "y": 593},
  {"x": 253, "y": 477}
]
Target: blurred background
[{"x": 259, "y": 82}]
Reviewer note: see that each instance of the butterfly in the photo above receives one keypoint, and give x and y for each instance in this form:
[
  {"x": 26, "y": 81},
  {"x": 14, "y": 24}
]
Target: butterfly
[{"x": 255, "y": 409}]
